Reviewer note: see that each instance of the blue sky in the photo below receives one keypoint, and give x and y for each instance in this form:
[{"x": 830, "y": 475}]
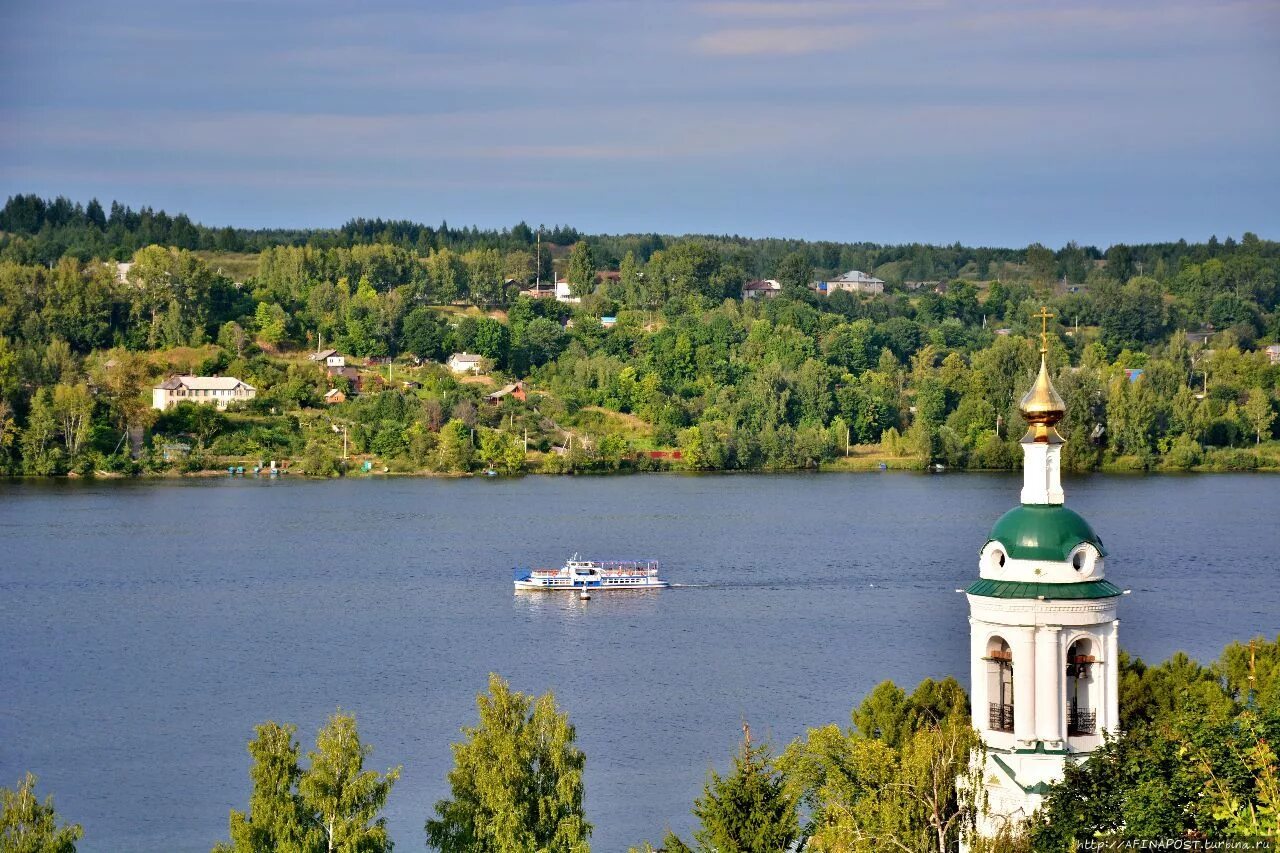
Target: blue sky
[{"x": 996, "y": 123}]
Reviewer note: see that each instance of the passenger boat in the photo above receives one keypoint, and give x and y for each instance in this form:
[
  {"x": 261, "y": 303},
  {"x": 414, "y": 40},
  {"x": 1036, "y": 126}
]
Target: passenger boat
[{"x": 582, "y": 575}]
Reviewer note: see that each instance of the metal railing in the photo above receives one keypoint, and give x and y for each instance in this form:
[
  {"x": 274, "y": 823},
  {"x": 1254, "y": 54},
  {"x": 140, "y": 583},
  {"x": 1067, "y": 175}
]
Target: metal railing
[
  {"x": 1001, "y": 717},
  {"x": 1082, "y": 722}
]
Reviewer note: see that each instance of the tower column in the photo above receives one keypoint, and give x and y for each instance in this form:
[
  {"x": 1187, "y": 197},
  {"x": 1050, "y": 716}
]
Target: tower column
[
  {"x": 1111, "y": 687},
  {"x": 1024, "y": 684},
  {"x": 978, "y": 678},
  {"x": 1041, "y": 472},
  {"x": 1049, "y": 679}
]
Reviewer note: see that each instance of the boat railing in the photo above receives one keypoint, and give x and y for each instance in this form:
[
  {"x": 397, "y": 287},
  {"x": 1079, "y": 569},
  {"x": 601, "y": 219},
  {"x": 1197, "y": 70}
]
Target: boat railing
[{"x": 625, "y": 568}]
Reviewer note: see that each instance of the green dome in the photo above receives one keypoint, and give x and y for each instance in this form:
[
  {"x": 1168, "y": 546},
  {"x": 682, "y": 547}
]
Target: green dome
[{"x": 1042, "y": 532}]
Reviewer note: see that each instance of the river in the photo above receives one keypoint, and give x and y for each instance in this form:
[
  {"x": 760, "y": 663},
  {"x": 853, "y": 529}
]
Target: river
[{"x": 147, "y": 626}]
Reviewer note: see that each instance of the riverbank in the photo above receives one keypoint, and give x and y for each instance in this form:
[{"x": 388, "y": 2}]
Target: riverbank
[{"x": 1235, "y": 464}]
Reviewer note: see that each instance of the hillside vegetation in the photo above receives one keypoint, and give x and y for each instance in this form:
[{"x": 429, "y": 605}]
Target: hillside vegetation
[{"x": 1159, "y": 350}]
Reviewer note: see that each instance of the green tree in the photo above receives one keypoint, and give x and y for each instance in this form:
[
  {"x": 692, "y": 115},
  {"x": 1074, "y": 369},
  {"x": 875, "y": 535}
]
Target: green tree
[
  {"x": 447, "y": 274},
  {"x": 493, "y": 341},
  {"x": 40, "y": 455},
  {"x": 582, "y": 269},
  {"x": 749, "y": 811},
  {"x": 1040, "y": 263},
  {"x": 30, "y": 826},
  {"x": 543, "y": 340},
  {"x": 73, "y": 410},
  {"x": 501, "y": 450},
  {"x": 484, "y": 276},
  {"x": 890, "y": 782},
  {"x": 232, "y": 338},
  {"x": 454, "y": 450},
  {"x": 269, "y": 319},
  {"x": 276, "y": 819},
  {"x": 345, "y": 798},
  {"x": 424, "y": 334},
  {"x": 516, "y": 784},
  {"x": 794, "y": 273},
  {"x": 1259, "y": 413}
]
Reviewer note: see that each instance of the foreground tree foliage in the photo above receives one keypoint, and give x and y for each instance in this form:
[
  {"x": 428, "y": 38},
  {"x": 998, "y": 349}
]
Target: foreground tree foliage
[
  {"x": 1195, "y": 756},
  {"x": 889, "y": 782},
  {"x": 749, "y": 811},
  {"x": 516, "y": 784},
  {"x": 331, "y": 806},
  {"x": 30, "y": 826}
]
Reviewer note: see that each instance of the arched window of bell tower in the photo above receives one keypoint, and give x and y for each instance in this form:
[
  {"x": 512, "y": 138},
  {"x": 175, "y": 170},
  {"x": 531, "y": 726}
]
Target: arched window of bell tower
[
  {"x": 999, "y": 685},
  {"x": 1082, "y": 688}
]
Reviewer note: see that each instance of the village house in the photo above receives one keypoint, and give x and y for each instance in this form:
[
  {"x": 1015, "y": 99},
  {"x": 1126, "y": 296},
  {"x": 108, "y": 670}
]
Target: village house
[
  {"x": 1201, "y": 336},
  {"x": 333, "y": 396},
  {"x": 913, "y": 286},
  {"x": 1273, "y": 353},
  {"x": 540, "y": 290},
  {"x": 464, "y": 362},
  {"x": 515, "y": 390},
  {"x": 330, "y": 358},
  {"x": 766, "y": 288},
  {"x": 854, "y": 281},
  {"x": 608, "y": 322},
  {"x": 217, "y": 390},
  {"x": 563, "y": 293},
  {"x": 348, "y": 373}
]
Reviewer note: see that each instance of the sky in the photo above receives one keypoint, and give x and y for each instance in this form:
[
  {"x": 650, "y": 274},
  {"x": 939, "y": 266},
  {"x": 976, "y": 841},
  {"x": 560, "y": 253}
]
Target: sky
[{"x": 987, "y": 122}]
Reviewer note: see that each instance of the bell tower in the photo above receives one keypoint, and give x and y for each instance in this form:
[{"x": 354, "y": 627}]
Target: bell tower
[{"x": 1043, "y": 628}]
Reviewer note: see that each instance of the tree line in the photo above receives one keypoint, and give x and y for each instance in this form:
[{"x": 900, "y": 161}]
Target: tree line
[
  {"x": 1159, "y": 355},
  {"x": 1193, "y": 760}
]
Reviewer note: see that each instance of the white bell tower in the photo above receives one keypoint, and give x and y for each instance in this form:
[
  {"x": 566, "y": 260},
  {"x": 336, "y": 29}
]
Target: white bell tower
[{"x": 1043, "y": 629}]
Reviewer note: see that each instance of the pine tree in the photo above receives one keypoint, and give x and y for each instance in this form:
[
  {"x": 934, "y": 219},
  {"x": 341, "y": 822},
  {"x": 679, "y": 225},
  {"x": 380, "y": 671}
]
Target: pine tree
[{"x": 748, "y": 811}]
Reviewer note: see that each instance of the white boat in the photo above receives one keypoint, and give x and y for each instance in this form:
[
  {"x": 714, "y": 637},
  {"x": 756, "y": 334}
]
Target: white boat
[{"x": 584, "y": 575}]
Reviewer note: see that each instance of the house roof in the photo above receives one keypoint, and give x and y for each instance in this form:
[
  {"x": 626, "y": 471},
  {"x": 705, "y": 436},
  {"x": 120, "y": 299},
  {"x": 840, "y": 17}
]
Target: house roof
[
  {"x": 465, "y": 357},
  {"x": 505, "y": 390},
  {"x": 860, "y": 277},
  {"x": 762, "y": 284},
  {"x": 204, "y": 383},
  {"x": 323, "y": 354},
  {"x": 332, "y": 392}
]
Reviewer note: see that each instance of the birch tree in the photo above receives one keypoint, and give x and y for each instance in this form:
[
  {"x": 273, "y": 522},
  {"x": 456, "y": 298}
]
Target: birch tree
[
  {"x": 345, "y": 798},
  {"x": 30, "y": 826},
  {"x": 516, "y": 784}
]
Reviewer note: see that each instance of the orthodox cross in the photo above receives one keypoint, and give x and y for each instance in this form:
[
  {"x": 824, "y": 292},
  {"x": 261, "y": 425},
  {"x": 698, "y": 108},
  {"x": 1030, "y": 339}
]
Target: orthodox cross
[{"x": 1044, "y": 316}]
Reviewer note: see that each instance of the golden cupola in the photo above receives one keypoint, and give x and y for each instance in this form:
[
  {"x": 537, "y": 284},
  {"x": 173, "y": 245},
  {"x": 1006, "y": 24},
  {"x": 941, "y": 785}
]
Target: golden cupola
[{"x": 1042, "y": 407}]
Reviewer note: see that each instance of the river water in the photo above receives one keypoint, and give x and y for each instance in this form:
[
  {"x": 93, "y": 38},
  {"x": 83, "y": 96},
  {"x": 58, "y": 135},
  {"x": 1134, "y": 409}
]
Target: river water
[{"x": 146, "y": 627}]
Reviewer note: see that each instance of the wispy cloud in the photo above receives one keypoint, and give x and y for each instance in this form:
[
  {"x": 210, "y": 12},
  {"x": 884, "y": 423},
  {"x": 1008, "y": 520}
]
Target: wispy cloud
[
  {"x": 786, "y": 41},
  {"x": 810, "y": 9}
]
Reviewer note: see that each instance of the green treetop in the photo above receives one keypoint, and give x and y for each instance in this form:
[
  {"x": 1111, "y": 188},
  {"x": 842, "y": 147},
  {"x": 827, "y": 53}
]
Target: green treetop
[
  {"x": 749, "y": 811},
  {"x": 331, "y": 807},
  {"x": 516, "y": 784},
  {"x": 30, "y": 826}
]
